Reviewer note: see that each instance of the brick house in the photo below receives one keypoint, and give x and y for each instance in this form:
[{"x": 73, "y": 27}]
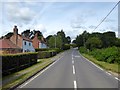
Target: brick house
[
  {"x": 24, "y": 43},
  {"x": 7, "y": 46},
  {"x": 38, "y": 43}
]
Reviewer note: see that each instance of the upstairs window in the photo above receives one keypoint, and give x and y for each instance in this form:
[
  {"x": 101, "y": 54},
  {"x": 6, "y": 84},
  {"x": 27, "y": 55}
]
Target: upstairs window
[
  {"x": 24, "y": 43},
  {"x": 29, "y": 44}
]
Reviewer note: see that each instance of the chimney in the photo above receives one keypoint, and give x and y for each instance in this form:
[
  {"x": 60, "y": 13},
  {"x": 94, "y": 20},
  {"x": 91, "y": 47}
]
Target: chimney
[{"x": 15, "y": 32}]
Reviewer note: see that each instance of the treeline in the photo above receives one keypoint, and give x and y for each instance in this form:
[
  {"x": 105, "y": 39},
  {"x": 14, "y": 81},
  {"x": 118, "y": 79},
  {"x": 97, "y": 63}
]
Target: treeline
[
  {"x": 97, "y": 40},
  {"x": 102, "y": 46},
  {"x": 59, "y": 40}
]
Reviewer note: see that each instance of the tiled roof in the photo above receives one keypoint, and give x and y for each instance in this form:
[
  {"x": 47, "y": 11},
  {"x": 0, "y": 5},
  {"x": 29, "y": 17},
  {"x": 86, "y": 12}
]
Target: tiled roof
[
  {"x": 24, "y": 38},
  {"x": 6, "y": 43}
]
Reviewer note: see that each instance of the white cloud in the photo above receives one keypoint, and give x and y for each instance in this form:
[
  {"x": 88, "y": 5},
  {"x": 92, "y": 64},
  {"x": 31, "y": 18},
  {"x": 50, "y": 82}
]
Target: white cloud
[
  {"x": 92, "y": 27},
  {"x": 17, "y": 14},
  {"x": 40, "y": 27}
]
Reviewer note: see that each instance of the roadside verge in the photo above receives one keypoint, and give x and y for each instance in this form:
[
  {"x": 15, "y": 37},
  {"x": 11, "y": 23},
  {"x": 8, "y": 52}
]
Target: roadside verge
[
  {"x": 12, "y": 81},
  {"x": 114, "y": 69}
]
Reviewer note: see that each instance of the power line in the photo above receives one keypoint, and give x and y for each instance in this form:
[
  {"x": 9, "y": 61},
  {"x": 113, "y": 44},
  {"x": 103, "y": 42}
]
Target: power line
[{"x": 106, "y": 16}]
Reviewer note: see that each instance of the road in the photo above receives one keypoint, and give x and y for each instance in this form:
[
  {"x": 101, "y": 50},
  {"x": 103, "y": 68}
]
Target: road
[{"x": 72, "y": 71}]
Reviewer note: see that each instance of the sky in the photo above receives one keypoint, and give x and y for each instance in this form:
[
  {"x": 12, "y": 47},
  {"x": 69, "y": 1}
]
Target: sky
[{"x": 49, "y": 17}]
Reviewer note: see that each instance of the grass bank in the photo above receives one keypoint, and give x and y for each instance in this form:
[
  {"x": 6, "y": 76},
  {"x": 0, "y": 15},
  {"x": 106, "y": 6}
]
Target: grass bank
[
  {"x": 19, "y": 77},
  {"x": 107, "y": 66}
]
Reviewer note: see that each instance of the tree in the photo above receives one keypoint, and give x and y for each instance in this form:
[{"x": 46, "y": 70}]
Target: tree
[
  {"x": 26, "y": 33},
  {"x": 68, "y": 39},
  {"x": 108, "y": 39},
  {"x": 8, "y": 35},
  {"x": 117, "y": 42},
  {"x": 55, "y": 41},
  {"x": 51, "y": 42},
  {"x": 79, "y": 40},
  {"x": 93, "y": 42},
  {"x": 59, "y": 42}
]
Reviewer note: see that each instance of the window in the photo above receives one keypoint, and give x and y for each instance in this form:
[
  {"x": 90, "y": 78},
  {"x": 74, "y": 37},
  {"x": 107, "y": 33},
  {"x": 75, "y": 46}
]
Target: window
[
  {"x": 24, "y": 43},
  {"x": 29, "y": 44}
]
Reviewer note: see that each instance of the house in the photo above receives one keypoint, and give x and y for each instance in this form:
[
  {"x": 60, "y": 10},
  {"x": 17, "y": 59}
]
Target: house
[
  {"x": 7, "y": 46},
  {"x": 24, "y": 43},
  {"x": 38, "y": 43}
]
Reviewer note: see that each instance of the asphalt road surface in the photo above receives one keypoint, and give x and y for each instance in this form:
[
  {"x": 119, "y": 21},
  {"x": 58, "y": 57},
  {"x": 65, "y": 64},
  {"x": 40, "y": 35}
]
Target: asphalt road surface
[{"x": 72, "y": 71}]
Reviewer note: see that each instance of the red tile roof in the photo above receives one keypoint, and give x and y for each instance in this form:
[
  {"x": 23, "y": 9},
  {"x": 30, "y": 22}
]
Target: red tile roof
[
  {"x": 24, "y": 38},
  {"x": 6, "y": 43}
]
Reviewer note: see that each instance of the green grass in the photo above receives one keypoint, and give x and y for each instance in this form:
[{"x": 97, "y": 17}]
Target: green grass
[
  {"x": 110, "y": 67},
  {"x": 24, "y": 74}
]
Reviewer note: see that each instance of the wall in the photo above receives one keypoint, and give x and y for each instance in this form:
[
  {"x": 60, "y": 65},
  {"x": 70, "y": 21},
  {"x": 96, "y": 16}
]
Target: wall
[
  {"x": 42, "y": 45},
  {"x": 28, "y": 47}
]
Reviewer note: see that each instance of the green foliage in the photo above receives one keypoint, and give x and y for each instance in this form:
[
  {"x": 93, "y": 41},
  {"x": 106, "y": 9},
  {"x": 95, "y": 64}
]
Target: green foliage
[
  {"x": 117, "y": 42},
  {"x": 79, "y": 41},
  {"x": 108, "y": 39},
  {"x": 59, "y": 40},
  {"x": 66, "y": 47},
  {"x": 48, "y": 52},
  {"x": 55, "y": 42},
  {"x": 83, "y": 49},
  {"x": 93, "y": 42},
  {"x": 110, "y": 55},
  {"x": 16, "y": 62},
  {"x": 73, "y": 45}
]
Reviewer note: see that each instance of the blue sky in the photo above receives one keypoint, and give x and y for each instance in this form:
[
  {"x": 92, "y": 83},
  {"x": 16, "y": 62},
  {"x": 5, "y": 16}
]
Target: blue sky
[{"x": 51, "y": 17}]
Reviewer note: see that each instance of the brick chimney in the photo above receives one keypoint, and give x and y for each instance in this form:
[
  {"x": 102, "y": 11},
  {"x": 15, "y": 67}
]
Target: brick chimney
[{"x": 15, "y": 32}]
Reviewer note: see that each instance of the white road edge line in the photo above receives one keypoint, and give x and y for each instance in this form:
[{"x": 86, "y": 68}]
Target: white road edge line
[
  {"x": 100, "y": 68},
  {"x": 24, "y": 84},
  {"x": 108, "y": 73},
  {"x": 73, "y": 69},
  {"x": 75, "y": 85},
  {"x": 93, "y": 63},
  {"x": 117, "y": 79}
]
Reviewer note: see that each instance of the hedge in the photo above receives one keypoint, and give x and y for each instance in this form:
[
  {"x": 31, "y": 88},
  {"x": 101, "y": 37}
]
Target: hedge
[
  {"x": 16, "y": 62},
  {"x": 46, "y": 54}
]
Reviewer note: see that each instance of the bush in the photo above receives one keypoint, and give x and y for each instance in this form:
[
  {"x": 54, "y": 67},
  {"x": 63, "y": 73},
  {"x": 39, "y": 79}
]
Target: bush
[
  {"x": 46, "y": 54},
  {"x": 42, "y": 49},
  {"x": 83, "y": 50},
  {"x": 110, "y": 55},
  {"x": 66, "y": 47},
  {"x": 16, "y": 62}
]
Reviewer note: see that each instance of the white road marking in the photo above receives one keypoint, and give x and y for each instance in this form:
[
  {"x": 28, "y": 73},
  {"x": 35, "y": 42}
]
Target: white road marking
[
  {"x": 108, "y": 73},
  {"x": 21, "y": 86},
  {"x": 72, "y": 61},
  {"x": 73, "y": 69},
  {"x": 77, "y": 56},
  {"x": 93, "y": 63},
  {"x": 75, "y": 85},
  {"x": 72, "y": 58},
  {"x": 117, "y": 79},
  {"x": 99, "y": 68}
]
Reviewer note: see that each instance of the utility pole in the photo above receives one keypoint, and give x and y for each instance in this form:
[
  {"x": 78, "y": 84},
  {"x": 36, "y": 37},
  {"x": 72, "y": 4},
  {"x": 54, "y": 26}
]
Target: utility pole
[{"x": 55, "y": 40}]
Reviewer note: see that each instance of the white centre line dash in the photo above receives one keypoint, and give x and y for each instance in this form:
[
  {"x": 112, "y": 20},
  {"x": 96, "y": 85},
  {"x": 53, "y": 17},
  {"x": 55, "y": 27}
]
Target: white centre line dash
[
  {"x": 72, "y": 62},
  {"x": 73, "y": 69},
  {"x": 75, "y": 85}
]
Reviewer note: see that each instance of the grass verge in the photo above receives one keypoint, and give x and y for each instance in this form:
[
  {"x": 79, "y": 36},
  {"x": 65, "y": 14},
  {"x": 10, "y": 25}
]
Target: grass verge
[
  {"x": 107, "y": 66},
  {"x": 23, "y": 75}
]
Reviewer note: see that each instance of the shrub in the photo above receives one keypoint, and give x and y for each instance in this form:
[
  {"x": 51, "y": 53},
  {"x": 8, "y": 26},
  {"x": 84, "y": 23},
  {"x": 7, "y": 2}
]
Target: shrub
[
  {"x": 83, "y": 50},
  {"x": 110, "y": 55},
  {"x": 66, "y": 47}
]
